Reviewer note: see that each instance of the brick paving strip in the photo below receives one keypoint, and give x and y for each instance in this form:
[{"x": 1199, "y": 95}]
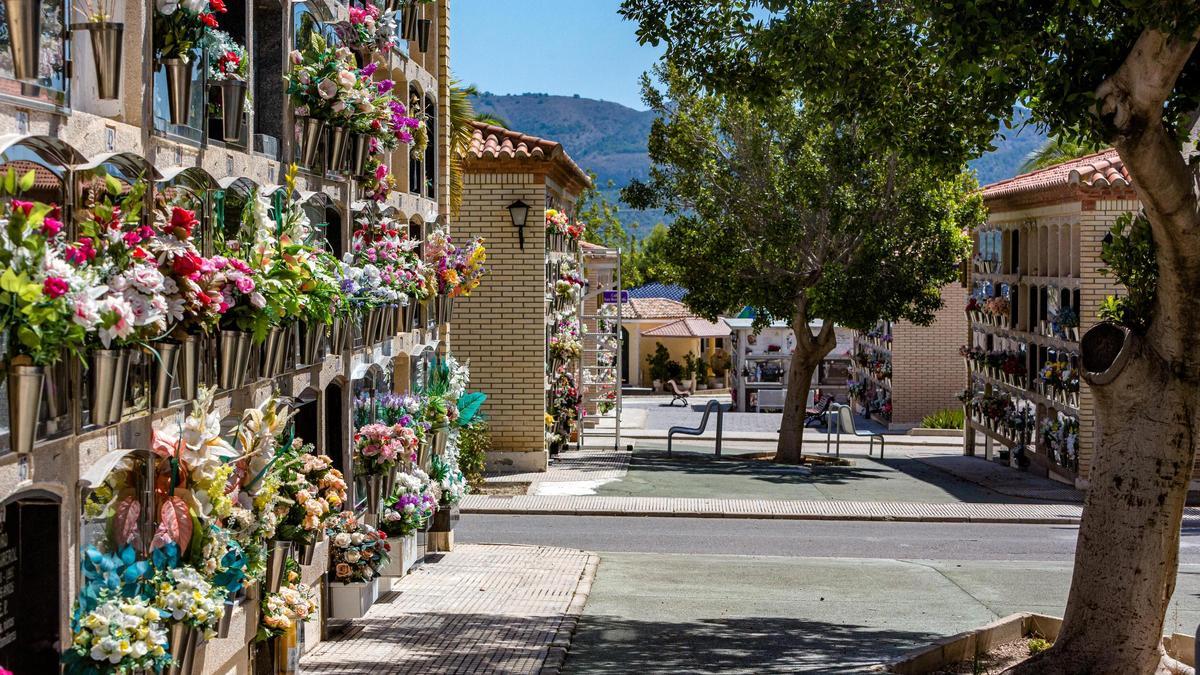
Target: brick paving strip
[
  {"x": 581, "y": 465},
  {"x": 480, "y": 608},
  {"x": 796, "y": 509}
]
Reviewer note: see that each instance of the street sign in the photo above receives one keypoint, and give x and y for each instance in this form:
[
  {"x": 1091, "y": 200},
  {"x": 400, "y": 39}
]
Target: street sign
[{"x": 610, "y": 297}]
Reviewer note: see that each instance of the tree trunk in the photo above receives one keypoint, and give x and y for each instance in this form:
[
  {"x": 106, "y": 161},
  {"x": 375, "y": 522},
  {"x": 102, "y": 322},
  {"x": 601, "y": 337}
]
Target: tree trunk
[
  {"x": 1127, "y": 554},
  {"x": 810, "y": 351},
  {"x": 1147, "y": 404}
]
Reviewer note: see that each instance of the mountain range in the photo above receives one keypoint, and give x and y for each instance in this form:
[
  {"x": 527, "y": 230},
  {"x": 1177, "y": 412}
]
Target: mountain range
[{"x": 609, "y": 139}]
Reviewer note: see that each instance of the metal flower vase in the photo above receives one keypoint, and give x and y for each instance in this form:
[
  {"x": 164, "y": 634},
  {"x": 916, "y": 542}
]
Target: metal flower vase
[
  {"x": 233, "y": 108},
  {"x": 233, "y": 358},
  {"x": 389, "y": 482},
  {"x": 337, "y": 149},
  {"x": 443, "y": 308},
  {"x": 276, "y": 557},
  {"x": 25, "y": 36},
  {"x": 182, "y": 641},
  {"x": 360, "y": 146},
  {"x": 408, "y": 21},
  {"x": 179, "y": 89},
  {"x": 24, "y": 405},
  {"x": 311, "y": 130},
  {"x": 303, "y": 552},
  {"x": 312, "y": 334},
  {"x": 107, "y": 37},
  {"x": 440, "y": 435},
  {"x": 371, "y": 319},
  {"x": 189, "y": 366},
  {"x": 226, "y": 620},
  {"x": 423, "y": 26},
  {"x": 164, "y": 372},
  {"x": 374, "y": 488},
  {"x": 109, "y": 373},
  {"x": 339, "y": 334}
]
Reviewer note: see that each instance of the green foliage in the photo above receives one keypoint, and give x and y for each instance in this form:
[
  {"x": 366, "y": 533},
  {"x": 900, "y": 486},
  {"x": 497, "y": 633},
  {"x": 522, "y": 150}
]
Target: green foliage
[
  {"x": 798, "y": 217},
  {"x": 1038, "y": 645},
  {"x": 659, "y": 362},
  {"x": 474, "y": 441},
  {"x": 950, "y": 418},
  {"x": 642, "y": 260},
  {"x": 469, "y": 406},
  {"x": 928, "y": 79},
  {"x": 1059, "y": 149},
  {"x": 1128, "y": 253}
]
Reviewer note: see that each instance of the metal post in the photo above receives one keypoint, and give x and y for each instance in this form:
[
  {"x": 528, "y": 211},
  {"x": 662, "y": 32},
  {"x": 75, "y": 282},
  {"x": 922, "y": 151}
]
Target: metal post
[{"x": 620, "y": 350}]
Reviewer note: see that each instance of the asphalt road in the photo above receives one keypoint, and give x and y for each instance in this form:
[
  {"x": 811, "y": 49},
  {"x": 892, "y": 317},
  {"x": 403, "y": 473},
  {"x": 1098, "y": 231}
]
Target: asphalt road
[{"x": 791, "y": 538}]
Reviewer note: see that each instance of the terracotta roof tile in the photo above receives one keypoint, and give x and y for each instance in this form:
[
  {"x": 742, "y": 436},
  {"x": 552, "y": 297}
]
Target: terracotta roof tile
[
  {"x": 689, "y": 327},
  {"x": 1099, "y": 170},
  {"x": 493, "y": 142},
  {"x": 656, "y": 308}
]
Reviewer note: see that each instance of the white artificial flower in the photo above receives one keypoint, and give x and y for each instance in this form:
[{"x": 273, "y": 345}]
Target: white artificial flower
[{"x": 167, "y": 7}]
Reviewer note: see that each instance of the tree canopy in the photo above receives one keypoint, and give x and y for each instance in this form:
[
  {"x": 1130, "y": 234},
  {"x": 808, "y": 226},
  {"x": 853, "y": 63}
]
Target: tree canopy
[{"x": 779, "y": 209}]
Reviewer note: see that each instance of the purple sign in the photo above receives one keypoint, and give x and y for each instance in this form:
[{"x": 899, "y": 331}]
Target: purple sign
[{"x": 611, "y": 297}]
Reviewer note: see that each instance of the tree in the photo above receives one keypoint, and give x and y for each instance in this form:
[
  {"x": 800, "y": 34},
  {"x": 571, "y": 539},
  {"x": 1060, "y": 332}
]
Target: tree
[
  {"x": 930, "y": 79},
  {"x": 462, "y": 114},
  {"x": 1056, "y": 150},
  {"x": 780, "y": 210}
]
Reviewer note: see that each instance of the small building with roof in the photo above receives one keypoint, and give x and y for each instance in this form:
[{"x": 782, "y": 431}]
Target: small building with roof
[{"x": 1036, "y": 286}]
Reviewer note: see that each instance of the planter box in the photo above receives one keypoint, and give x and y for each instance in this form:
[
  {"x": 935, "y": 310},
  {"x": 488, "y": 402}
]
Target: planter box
[
  {"x": 351, "y": 601},
  {"x": 402, "y": 558},
  {"x": 444, "y": 520}
]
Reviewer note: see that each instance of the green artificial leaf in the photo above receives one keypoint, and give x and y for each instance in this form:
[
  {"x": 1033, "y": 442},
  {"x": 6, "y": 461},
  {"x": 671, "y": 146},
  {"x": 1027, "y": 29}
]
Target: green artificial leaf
[
  {"x": 469, "y": 406},
  {"x": 27, "y": 181}
]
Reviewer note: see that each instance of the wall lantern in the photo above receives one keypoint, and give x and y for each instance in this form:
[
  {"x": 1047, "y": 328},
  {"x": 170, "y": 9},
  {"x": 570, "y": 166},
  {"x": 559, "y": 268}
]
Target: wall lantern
[{"x": 519, "y": 212}]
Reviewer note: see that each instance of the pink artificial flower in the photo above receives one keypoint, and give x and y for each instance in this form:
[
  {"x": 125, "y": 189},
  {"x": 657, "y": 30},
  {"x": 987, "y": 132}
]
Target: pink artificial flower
[
  {"x": 381, "y": 172},
  {"x": 22, "y": 206},
  {"x": 50, "y": 227},
  {"x": 295, "y": 56}
]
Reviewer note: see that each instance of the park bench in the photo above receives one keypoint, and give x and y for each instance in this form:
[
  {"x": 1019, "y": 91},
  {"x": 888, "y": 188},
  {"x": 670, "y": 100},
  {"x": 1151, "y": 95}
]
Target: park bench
[
  {"x": 818, "y": 412},
  {"x": 678, "y": 394},
  {"x": 845, "y": 424},
  {"x": 696, "y": 431}
]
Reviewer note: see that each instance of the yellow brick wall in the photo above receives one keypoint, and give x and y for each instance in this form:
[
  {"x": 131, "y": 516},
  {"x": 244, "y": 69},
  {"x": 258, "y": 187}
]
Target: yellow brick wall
[
  {"x": 927, "y": 371},
  {"x": 500, "y": 328}
]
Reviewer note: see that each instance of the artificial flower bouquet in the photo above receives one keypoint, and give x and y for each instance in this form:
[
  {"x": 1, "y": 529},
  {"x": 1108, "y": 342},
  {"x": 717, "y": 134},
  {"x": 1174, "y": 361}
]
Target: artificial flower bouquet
[
  {"x": 468, "y": 265},
  {"x": 228, "y": 60},
  {"x": 204, "y": 287},
  {"x": 451, "y": 481},
  {"x": 180, "y": 24},
  {"x": 379, "y": 447},
  {"x": 312, "y": 492},
  {"x": 183, "y": 594},
  {"x": 295, "y": 602},
  {"x": 119, "y": 635},
  {"x": 320, "y": 79},
  {"x": 411, "y": 504},
  {"x": 558, "y": 222},
  {"x": 564, "y": 342},
  {"x": 41, "y": 278},
  {"x": 356, "y": 551}
]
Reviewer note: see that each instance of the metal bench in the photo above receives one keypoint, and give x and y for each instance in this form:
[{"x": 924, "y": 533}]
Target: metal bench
[
  {"x": 817, "y": 413},
  {"x": 696, "y": 431},
  {"x": 845, "y": 424},
  {"x": 678, "y": 394}
]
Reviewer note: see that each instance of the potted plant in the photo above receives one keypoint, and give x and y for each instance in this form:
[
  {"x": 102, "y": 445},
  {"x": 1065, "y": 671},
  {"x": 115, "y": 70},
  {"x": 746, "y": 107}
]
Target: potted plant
[
  {"x": 658, "y": 365},
  {"x": 178, "y": 26},
  {"x": 229, "y": 69},
  {"x": 106, "y": 36},
  {"x": 356, "y": 553},
  {"x": 691, "y": 366},
  {"x": 719, "y": 361}
]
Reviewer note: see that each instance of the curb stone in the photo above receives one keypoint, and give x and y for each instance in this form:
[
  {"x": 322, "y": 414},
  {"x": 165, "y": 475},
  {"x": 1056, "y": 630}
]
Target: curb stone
[{"x": 556, "y": 656}]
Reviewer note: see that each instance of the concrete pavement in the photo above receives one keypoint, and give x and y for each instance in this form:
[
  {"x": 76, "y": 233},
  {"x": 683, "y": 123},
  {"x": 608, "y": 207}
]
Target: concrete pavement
[
  {"x": 479, "y": 608},
  {"x": 654, "y": 613}
]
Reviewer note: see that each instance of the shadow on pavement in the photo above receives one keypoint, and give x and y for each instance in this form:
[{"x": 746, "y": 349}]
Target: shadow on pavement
[
  {"x": 606, "y": 644},
  {"x": 871, "y": 473}
]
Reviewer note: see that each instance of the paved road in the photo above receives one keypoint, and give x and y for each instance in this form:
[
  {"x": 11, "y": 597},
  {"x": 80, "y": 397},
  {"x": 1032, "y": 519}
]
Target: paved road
[
  {"x": 681, "y": 595},
  {"x": 812, "y": 539}
]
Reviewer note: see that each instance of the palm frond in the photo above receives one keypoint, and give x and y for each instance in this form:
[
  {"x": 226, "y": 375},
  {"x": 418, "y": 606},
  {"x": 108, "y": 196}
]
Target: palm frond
[{"x": 1056, "y": 150}]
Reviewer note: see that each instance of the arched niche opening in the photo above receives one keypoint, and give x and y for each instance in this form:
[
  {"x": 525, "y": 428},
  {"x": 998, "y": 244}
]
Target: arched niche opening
[
  {"x": 337, "y": 439},
  {"x": 31, "y": 579},
  {"x": 416, "y": 170},
  {"x": 307, "y": 19},
  {"x": 306, "y": 422},
  {"x": 51, "y": 162},
  {"x": 325, "y": 217},
  {"x": 431, "y": 149}
]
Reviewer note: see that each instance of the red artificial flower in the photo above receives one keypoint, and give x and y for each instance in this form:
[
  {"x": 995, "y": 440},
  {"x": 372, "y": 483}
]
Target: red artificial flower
[
  {"x": 139, "y": 253},
  {"x": 186, "y": 265},
  {"x": 183, "y": 220},
  {"x": 51, "y": 226},
  {"x": 217, "y": 5},
  {"x": 54, "y": 287},
  {"x": 22, "y": 206},
  {"x": 209, "y": 20}
]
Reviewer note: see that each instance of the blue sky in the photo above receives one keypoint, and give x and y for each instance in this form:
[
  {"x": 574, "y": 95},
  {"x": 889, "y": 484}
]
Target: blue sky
[{"x": 548, "y": 46}]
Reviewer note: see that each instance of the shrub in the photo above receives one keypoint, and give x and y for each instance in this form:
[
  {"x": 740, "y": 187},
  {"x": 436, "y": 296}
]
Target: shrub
[
  {"x": 1038, "y": 645},
  {"x": 950, "y": 418},
  {"x": 474, "y": 441}
]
